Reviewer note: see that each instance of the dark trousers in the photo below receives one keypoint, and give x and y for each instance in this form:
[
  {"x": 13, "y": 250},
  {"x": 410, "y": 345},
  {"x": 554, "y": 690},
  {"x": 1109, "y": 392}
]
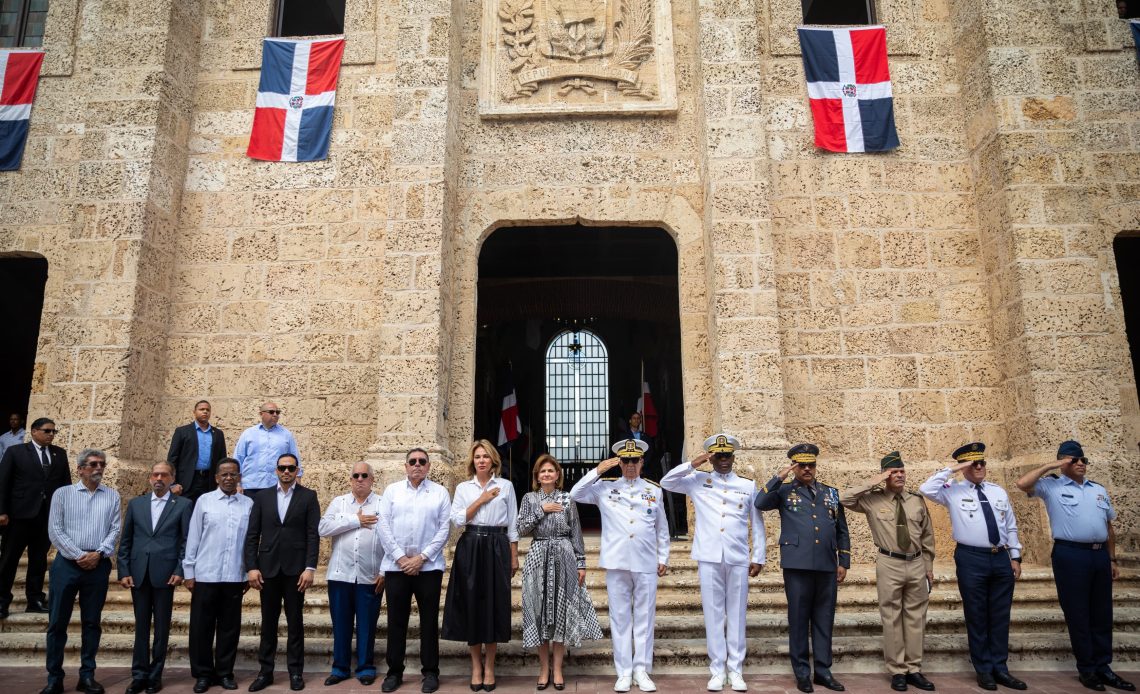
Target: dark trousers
[
  {"x": 68, "y": 581},
  {"x": 401, "y": 588},
  {"x": 985, "y": 581},
  {"x": 199, "y": 485},
  {"x": 1084, "y": 587},
  {"x": 30, "y": 534},
  {"x": 354, "y": 604},
  {"x": 282, "y": 589},
  {"x": 811, "y": 609},
  {"x": 215, "y": 611},
  {"x": 153, "y": 606}
]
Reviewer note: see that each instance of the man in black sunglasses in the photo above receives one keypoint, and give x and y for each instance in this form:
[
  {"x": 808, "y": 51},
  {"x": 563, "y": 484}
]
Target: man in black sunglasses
[
  {"x": 29, "y": 475},
  {"x": 1084, "y": 559}
]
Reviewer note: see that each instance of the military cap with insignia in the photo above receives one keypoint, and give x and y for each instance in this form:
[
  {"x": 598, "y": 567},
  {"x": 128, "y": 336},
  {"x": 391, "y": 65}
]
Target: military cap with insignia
[
  {"x": 1070, "y": 449},
  {"x": 803, "y": 453},
  {"x": 630, "y": 448},
  {"x": 970, "y": 453},
  {"x": 891, "y": 460},
  {"x": 721, "y": 443}
]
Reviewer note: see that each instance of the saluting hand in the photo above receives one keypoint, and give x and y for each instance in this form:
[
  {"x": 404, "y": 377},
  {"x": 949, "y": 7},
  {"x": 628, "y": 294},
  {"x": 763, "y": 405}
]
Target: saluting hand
[
  {"x": 961, "y": 466},
  {"x": 701, "y": 460},
  {"x": 785, "y": 471},
  {"x": 607, "y": 465}
]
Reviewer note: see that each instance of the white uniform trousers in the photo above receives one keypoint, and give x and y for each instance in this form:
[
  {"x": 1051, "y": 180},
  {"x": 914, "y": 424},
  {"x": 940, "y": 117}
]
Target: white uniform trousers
[
  {"x": 724, "y": 597},
  {"x": 633, "y": 609}
]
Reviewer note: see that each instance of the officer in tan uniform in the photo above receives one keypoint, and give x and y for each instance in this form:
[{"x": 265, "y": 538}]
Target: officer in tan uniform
[{"x": 904, "y": 570}]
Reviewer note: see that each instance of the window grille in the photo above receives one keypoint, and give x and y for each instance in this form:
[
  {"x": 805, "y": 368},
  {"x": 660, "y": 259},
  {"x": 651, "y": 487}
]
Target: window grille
[
  {"x": 577, "y": 397},
  {"x": 838, "y": 11},
  {"x": 22, "y": 23}
]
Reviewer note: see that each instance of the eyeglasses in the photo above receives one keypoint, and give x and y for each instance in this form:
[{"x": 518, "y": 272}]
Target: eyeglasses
[
  {"x": 95, "y": 463},
  {"x": 358, "y": 475},
  {"x": 1082, "y": 460},
  {"x": 49, "y": 432},
  {"x": 271, "y": 411},
  {"x": 722, "y": 456},
  {"x": 286, "y": 468},
  {"x": 417, "y": 461},
  {"x": 630, "y": 460},
  {"x": 810, "y": 466},
  {"x": 979, "y": 463}
]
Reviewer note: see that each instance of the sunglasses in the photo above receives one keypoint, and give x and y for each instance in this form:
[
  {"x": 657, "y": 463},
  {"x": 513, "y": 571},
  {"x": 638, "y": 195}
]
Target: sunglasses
[
  {"x": 979, "y": 463},
  {"x": 95, "y": 463},
  {"x": 722, "y": 456},
  {"x": 1082, "y": 460},
  {"x": 49, "y": 432},
  {"x": 417, "y": 461},
  {"x": 807, "y": 465},
  {"x": 286, "y": 468},
  {"x": 360, "y": 475},
  {"x": 271, "y": 411}
]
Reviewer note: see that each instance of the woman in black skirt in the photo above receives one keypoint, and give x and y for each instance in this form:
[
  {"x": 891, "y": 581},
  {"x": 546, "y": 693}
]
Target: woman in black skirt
[{"x": 478, "y": 605}]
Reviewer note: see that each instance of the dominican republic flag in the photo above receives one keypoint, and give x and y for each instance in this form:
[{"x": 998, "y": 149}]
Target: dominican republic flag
[
  {"x": 293, "y": 120},
  {"x": 510, "y": 426},
  {"x": 646, "y": 407},
  {"x": 849, "y": 84},
  {"x": 19, "y": 75}
]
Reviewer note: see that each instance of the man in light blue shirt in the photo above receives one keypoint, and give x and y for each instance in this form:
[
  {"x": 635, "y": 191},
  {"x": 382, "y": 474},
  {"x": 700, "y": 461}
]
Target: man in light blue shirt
[
  {"x": 15, "y": 436},
  {"x": 260, "y": 446}
]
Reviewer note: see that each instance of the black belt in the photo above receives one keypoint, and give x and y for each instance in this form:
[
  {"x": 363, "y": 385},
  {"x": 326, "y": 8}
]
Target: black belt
[
  {"x": 486, "y": 529},
  {"x": 983, "y": 550},
  {"x": 203, "y": 473},
  {"x": 1081, "y": 545},
  {"x": 896, "y": 555}
]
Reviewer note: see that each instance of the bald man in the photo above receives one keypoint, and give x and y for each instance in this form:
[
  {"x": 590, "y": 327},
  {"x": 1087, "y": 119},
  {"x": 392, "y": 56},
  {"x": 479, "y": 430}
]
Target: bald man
[{"x": 260, "y": 446}]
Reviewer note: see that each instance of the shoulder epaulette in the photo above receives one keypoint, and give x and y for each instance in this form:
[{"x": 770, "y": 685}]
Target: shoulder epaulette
[
  {"x": 1096, "y": 483},
  {"x": 1053, "y": 475},
  {"x": 743, "y": 477},
  {"x": 648, "y": 481}
]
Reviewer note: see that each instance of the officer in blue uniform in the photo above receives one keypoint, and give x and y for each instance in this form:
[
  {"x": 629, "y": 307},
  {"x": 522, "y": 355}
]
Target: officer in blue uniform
[
  {"x": 988, "y": 559},
  {"x": 815, "y": 553},
  {"x": 1084, "y": 559}
]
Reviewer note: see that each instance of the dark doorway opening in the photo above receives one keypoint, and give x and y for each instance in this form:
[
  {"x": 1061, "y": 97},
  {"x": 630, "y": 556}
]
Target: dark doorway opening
[
  {"x": 23, "y": 279},
  {"x": 542, "y": 288},
  {"x": 1126, "y": 248}
]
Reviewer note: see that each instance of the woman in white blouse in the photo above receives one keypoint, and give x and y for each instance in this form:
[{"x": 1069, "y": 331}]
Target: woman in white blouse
[{"x": 477, "y": 609}]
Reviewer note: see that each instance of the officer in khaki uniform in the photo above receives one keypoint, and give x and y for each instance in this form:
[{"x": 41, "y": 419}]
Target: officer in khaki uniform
[{"x": 904, "y": 569}]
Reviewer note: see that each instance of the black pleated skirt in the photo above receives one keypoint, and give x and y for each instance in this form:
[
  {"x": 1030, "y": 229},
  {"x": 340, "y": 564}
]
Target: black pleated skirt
[{"x": 478, "y": 604}]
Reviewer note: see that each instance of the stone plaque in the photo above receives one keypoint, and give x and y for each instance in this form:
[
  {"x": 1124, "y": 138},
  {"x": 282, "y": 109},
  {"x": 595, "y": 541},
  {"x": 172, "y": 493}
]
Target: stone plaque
[{"x": 576, "y": 56}]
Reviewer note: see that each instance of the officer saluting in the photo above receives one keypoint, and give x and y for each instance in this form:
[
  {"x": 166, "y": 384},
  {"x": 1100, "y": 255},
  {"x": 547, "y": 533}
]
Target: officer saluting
[
  {"x": 1084, "y": 559},
  {"x": 988, "y": 559},
  {"x": 904, "y": 569},
  {"x": 723, "y": 502},
  {"x": 635, "y": 551},
  {"x": 815, "y": 553}
]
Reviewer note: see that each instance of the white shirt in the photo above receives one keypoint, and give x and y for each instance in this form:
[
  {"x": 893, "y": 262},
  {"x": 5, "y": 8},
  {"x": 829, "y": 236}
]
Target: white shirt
[
  {"x": 356, "y": 551},
  {"x": 500, "y": 511},
  {"x": 284, "y": 496},
  {"x": 635, "y": 531},
  {"x": 724, "y": 512},
  {"x": 8, "y": 439},
  {"x": 157, "y": 506},
  {"x": 216, "y": 538},
  {"x": 416, "y": 518},
  {"x": 967, "y": 521}
]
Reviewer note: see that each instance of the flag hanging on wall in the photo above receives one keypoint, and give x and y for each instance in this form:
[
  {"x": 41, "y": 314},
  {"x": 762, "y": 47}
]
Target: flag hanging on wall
[
  {"x": 293, "y": 120},
  {"x": 510, "y": 426},
  {"x": 849, "y": 85},
  {"x": 19, "y": 75}
]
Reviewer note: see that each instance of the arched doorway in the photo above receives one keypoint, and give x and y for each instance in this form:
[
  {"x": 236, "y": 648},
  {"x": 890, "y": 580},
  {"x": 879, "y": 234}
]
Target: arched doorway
[
  {"x": 563, "y": 296},
  {"x": 24, "y": 277},
  {"x": 1126, "y": 249}
]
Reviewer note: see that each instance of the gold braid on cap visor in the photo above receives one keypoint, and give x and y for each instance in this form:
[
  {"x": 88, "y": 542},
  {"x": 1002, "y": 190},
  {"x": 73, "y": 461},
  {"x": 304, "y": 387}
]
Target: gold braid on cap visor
[{"x": 803, "y": 458}]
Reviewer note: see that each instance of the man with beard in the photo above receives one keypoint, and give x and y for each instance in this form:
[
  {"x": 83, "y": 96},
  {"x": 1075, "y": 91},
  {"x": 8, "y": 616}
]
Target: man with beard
[{"x": 815, "y": 552}]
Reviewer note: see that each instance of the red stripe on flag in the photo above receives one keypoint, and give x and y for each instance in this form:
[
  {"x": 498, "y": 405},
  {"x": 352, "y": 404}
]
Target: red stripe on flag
[
  {"x": 870, "y": 49},
  {"x": 830, "y": 133},
  {"x": 324, "y": 66},
  {"x": 265, "y": 141},
  {"x": 20, "y": 78}
]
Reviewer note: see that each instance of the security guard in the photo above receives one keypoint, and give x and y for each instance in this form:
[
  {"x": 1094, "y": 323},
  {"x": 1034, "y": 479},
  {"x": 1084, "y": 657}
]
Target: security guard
[
  {"x": 904, "y": 569},
  {"x": 815, "y": 552},
  {"x": 635, "y": 551},
  {"x": 723, "y": 503},
  {"x": 988, "y": 559},
  {"x": 1084, "y": 559}
]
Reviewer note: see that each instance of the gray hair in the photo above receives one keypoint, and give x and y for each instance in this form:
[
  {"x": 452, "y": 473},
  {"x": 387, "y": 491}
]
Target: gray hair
[
  {"x": 371, "y": 470},
  {"x": 91, "y": 453}
]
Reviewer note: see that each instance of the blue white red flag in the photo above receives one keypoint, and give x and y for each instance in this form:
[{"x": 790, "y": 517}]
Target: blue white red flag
[
  {"x": 19, "y": 75},
  {"x": 849, "y": 85},
  {"x": 293, "y": 120},
  {"x": 510, "y": 426}
]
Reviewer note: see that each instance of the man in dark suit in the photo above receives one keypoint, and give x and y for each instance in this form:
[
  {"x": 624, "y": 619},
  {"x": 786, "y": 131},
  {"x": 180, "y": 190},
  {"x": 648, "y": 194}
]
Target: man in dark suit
[
  {"x": 195, "y": 450},
  {"x": 281, "y": 548},
  {"x": 150, "y": 564},
  {"x": 29, "y": 475}
]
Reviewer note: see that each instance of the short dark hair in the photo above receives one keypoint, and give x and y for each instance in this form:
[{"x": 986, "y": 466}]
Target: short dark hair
[
  {"x": 417, "y": 449},
  {"x": 200, "y": 402},
  {"x": 229, "y": 461},
  {"x": 288, "y": 455},
  {"x": 168, "y": 465},
  {"x": 42, "y": 421}
]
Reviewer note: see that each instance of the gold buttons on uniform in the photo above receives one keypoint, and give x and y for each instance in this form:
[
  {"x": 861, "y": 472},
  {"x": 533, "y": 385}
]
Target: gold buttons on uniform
[{"x": 817, "y": 542}]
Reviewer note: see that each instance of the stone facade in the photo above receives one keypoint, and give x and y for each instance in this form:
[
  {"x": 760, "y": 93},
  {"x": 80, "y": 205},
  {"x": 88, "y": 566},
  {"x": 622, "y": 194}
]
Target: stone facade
[{"x": 962, "y": 287}]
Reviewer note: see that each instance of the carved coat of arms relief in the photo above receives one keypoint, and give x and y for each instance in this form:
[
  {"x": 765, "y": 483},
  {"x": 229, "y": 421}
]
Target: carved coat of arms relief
[{"x": 584, "y": 56}]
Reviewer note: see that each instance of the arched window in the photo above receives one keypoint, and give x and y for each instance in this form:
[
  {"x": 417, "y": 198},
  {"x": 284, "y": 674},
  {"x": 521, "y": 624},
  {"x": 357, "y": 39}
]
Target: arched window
[{"x": 577, "y": 397}]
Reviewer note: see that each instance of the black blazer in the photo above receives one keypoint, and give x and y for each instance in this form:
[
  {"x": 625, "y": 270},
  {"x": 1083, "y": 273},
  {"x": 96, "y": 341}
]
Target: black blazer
[
  {"x": 183, "y": 455},
  {"x": 154, "y": 555},
  {"x": 288, "y": 548},
  {"x": 23, "y": 487}
]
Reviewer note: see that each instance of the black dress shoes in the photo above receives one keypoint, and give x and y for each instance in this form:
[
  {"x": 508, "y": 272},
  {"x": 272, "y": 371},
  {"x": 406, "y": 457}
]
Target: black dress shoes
[
  {"x": 898, "y": 683},
  {"x": 829, "y": 682},
  {"x": 986, "y": 681},
  {"x": 367, "y": 680},
  {"x": 260, "y": 682},
  {"x": 4, "y": 613},
  {"x": 431, "y": 683},
  {"x": 804, "y": 684},
  {"x": 1111, "y": 679},
  {"x": 154, "y": 687},
  {"x": 139, "y": 686},
  {"x": 919, "y": 680},
  {"x": 228, "y": 682},
  {"x": 89, "y": 685},
  {"x": 201, "y": 684},
  {"x": 37, "y": 606},
  {"x": 391, "y": 683},
  {"x": 1007, "y": 680},
  {"x": 53, "y": 688},
  {"x": 334, "y": 679},
  {"x": 296, "y": 682},
  {"x": 1090, "y": 680}
]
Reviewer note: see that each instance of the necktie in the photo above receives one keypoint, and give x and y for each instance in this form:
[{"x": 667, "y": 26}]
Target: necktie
[
  {"x": 903, "y": 532},
  {"x": 988, "y": 513},
  {"x": 45, "y": 461}
]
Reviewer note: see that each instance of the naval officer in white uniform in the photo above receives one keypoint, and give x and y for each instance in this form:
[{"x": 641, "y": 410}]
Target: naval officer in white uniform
[
  {"x": 635, "y": 551},
  {"x": 725, "y": 516}
]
